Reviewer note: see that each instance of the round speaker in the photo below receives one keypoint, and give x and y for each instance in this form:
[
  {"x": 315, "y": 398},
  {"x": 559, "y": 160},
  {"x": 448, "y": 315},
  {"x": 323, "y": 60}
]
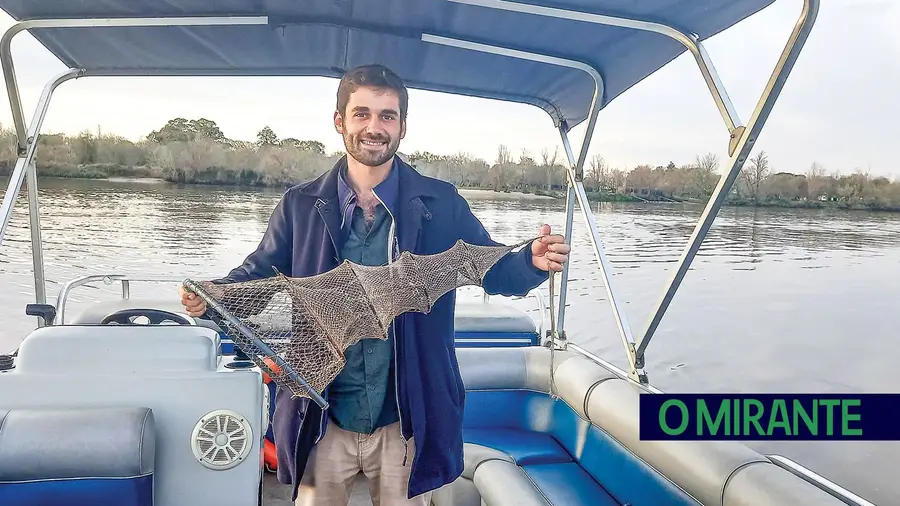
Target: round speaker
[{"x": 221, "y": 440}]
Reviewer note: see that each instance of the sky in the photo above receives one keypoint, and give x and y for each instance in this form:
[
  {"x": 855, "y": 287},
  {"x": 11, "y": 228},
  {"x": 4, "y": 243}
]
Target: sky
[{"x": 838, "y": 108}]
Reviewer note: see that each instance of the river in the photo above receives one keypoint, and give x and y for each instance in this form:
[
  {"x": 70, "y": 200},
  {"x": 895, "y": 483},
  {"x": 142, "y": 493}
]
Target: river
[{"x": 776, "y": 301}]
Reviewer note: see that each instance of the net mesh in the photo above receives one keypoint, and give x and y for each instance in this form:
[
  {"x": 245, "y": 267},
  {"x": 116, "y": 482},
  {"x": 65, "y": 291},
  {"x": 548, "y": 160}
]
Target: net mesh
[{"x": 296, "y": 329}]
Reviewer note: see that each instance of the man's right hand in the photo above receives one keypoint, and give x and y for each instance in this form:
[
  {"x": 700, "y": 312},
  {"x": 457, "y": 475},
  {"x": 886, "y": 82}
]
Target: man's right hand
[{"x": 193, "y": 304}]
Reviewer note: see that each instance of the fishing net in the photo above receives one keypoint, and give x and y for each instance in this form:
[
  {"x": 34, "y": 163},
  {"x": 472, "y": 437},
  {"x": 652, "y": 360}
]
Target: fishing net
[{"x": 296, "y": 329}]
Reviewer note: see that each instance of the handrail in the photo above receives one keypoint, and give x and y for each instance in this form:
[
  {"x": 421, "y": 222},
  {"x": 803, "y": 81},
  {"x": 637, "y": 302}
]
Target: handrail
[
  {"x": 819, "y": 481},
  {"x": 25, "y": 166},
  {"x": 575, "y": 175},
  {"x": 27, "y": 135},
  {"x": 108, "y": 279},
  {"x": 781, "y": 461},
  {"x": 741, "y": 141},
  {"x": 577, "y": 193},
  {"x": 647, "y": 387}
]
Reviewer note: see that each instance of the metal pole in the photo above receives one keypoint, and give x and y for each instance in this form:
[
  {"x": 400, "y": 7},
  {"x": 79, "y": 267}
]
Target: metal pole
[
  {"x": 18, "y": 174},
  {"x": 25, "y": 165},
  {"x": 564, "y": 279},
  {"x": 575, "y": 166},
  {"x": 37, "y": 252},
  {"x": 576, "y": 187},
  {"x": 576, "y": 190},
  {"x": 688, "y": 40},
  {"x": 743, "y": 146},
  {"x": 819, "y": 481}
]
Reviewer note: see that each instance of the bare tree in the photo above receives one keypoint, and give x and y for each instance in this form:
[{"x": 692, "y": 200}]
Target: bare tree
[
  {"x": 755, "y": 172},
  {"x": 706, "y": 174},
  {"x": 597, "y": 173},
  {"x": 816, "y": 180},
  {"x": 548, "y": 162}
]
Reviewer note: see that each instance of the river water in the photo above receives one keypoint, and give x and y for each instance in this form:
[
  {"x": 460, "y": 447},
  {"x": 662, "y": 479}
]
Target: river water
[{"x": 776, "y": 300}]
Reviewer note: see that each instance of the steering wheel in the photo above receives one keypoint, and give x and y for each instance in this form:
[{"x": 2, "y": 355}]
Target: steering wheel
[{"x": 156, "y": 317}]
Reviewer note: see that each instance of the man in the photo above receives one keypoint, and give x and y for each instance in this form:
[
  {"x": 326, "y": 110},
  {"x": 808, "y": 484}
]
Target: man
[{"x": 396, "y": 408}]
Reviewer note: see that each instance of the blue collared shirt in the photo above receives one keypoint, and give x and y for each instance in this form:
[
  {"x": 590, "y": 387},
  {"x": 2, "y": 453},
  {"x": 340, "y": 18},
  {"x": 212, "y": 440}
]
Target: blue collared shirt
[
  {"x": 387, "y": 191},
  {"x": 363, "y": 395}
]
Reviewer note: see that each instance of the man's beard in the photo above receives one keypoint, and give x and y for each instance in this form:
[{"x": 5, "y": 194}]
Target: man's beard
[{"x": 354, "y": 146}]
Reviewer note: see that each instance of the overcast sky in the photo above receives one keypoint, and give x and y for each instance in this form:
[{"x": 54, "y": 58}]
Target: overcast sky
[{"x": 840, "y": 106}]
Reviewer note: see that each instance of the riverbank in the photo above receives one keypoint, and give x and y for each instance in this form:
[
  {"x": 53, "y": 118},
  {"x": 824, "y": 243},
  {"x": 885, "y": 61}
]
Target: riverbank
[{"x": 250, "y": 179}]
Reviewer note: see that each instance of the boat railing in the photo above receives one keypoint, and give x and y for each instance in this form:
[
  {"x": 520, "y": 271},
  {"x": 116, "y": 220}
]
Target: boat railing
[
  {"x": 794, "y": 467},
  {"x": 818, "y": 480},
  {"x": 108, "y": 279}
]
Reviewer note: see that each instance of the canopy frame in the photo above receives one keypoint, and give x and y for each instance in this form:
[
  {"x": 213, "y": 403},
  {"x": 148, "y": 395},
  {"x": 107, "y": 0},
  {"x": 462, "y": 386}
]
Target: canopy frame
[
  {"x": 742, "y": 138},
  {"x": 689, "y": 40}
]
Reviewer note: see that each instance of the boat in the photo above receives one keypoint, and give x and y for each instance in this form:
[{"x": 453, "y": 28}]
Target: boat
[{"x": 173, "y": 415}]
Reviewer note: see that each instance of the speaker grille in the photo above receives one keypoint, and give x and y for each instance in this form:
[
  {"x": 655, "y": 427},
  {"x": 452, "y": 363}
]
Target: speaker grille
[{"x": 221, "y": 440}]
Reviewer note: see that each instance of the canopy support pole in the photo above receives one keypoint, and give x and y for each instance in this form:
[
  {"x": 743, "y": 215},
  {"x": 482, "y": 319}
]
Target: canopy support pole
[
  {"x": 570, "y": 218},
  {"x": 575, "y": 176},
  {"x": 689, "y": 40},
  {"x": 27, "y": 135},
  {"x": 741, "y": 151},
  {"x": 25, "y": 165},
  {"x": 741, "y": 138},
  {"x": 576, "y": 189}
]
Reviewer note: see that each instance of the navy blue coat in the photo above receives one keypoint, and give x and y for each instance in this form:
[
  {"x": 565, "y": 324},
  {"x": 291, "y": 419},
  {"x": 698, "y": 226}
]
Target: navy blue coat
[{"x": 303, "y": 239}]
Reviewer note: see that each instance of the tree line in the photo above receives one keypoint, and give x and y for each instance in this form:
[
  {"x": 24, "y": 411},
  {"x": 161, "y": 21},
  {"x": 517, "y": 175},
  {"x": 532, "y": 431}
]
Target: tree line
[{"x": 196, "y": 151}]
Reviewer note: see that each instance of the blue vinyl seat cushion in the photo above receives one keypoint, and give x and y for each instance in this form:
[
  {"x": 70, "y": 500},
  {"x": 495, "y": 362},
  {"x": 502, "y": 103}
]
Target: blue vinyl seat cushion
[
  {"x": 526, "y": 447},
  {"x": 570, "y": 460},
  {"x": 77, "y": 456}
]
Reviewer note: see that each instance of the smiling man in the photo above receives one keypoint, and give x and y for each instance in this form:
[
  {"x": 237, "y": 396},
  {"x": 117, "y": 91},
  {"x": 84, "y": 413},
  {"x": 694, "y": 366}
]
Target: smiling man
[{"x": 396, "y": 408}]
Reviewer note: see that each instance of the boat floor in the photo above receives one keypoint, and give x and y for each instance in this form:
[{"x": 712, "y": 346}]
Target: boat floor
[{"x": 276, "y": 494}]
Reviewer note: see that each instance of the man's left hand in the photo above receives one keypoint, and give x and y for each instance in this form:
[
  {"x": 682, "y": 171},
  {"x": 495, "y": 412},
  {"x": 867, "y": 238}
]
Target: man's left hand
[{"x": 549, "y": 252}]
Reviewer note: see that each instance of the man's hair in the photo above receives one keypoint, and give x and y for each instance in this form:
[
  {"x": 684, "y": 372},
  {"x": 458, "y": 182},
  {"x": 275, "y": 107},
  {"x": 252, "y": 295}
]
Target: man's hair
[{"x": 374, "y": 76}]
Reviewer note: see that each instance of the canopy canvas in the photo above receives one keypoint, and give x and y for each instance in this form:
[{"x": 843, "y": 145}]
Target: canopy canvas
[{"x": 326, "y": 37}]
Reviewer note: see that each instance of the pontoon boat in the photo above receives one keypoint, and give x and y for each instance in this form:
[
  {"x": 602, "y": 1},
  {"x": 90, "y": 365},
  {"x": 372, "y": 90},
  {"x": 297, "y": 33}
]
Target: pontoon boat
[{"x": 94, "y": 413}]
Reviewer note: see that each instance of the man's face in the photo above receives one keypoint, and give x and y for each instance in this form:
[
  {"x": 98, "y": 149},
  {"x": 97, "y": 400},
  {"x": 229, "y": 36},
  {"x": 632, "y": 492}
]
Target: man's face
[{"x": 371, "y": 127}]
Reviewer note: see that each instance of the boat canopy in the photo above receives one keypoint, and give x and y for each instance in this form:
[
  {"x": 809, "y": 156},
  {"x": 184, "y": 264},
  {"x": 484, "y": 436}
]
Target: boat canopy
[{"x": 327, "y": 37}]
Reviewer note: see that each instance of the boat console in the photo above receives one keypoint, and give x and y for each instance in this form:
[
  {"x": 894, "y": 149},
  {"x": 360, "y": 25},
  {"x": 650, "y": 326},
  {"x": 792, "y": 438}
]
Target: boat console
[
  {"x": 161, "y": 406},
  {"x": 132, "y": 415}
]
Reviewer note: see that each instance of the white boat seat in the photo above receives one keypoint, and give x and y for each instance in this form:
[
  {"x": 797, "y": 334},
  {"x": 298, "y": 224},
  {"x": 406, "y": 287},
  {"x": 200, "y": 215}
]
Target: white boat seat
[
  {"x": 175, "y": 371},
  {"x": 77, "y": 456},
  {"x": 490, "y": 317}
]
